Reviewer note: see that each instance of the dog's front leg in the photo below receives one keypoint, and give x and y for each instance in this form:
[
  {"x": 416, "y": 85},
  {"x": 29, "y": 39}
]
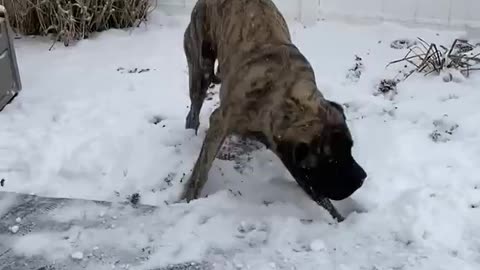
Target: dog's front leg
[
  {"x": 321, "y": 200},
  {"x": 327, "y": 204},
  {"x": 214, "y": 138}
]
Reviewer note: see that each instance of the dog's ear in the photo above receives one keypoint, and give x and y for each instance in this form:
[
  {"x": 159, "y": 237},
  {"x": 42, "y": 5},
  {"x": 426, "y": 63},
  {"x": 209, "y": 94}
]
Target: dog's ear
[{"x": 338, "y": 107}]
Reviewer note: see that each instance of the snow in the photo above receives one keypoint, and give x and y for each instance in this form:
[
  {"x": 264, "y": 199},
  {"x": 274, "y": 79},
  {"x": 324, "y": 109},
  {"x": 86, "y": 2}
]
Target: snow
[
  {"x": 14, "y": 228},
  {"x": 8, "y": 201},
  {"x": 78, "y": 255},
  {"x": 88, "y": 125},
  {"x": 42, "y": 244},
  {"x": 317, "y": 245}
]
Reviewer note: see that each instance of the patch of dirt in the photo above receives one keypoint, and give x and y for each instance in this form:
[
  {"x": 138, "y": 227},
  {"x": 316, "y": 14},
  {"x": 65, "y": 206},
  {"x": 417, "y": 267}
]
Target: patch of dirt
[
  {"x": 387, "y": 88},
  {"x": 401, "y": 44},
  {"x": 355, "y": 72},
  {"x": 169, "y": 178},
  {"x": 134, "y": 199},
  {"x": 156, "y": 119},
  {"x": 123, "y": 70}
]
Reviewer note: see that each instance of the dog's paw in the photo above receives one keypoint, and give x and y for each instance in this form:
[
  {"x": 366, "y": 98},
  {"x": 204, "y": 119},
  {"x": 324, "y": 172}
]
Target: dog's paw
[
  {"x": 192, "y": 121},
  {"x": 189, "y": 195}
]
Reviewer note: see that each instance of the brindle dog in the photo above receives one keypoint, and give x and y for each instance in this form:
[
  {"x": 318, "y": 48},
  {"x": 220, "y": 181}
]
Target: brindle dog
[{"x": 268, "y": 93}]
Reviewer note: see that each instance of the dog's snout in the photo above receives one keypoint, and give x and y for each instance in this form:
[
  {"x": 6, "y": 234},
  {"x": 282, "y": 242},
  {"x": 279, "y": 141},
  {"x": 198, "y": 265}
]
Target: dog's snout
[{"x": 358, "y": 172}]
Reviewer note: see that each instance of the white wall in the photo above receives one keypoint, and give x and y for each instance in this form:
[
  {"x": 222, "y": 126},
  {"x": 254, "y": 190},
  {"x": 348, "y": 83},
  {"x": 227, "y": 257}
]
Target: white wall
[{"x": 440, "y": 12}]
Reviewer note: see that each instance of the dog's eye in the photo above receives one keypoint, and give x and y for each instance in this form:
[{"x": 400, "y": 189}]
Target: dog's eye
[
  {"x": 332, "y": 161},
  {"x": 309, "y": 163}
]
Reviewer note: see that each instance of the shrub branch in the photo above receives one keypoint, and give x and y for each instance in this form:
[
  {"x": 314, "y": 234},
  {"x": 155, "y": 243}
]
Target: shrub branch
[{"x": 72, "y": 20}]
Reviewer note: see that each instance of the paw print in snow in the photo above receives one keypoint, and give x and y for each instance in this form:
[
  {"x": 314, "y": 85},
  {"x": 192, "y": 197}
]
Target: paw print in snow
[
  {"x": 254, "y": 234},
  {"x": 444, "y": 130}
]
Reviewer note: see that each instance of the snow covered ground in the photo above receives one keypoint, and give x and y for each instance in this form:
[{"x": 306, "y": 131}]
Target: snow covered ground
[{"x": 105, "y": 119}]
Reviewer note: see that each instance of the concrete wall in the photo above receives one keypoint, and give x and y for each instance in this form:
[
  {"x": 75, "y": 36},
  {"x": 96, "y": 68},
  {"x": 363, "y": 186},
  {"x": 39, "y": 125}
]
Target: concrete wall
[{"x": 441, "y": 12}]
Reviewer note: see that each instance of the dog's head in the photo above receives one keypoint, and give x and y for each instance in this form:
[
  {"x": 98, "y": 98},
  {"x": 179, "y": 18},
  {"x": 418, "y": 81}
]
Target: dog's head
[{"x": 317, "y": 152}]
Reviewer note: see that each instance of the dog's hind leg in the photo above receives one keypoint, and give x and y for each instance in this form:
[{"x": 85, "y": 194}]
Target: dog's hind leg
[
  {"x": 201, "y": 75},
  {"x": 198, "y": 92},
  {"x": 211, "y": 145},
  {"x": 201, "y": 55}
]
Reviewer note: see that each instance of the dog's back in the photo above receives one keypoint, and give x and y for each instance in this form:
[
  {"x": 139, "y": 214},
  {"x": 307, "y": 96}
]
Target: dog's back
[
  {"x": 243, "y": 25},
  {"x": 260, "y": 65}
]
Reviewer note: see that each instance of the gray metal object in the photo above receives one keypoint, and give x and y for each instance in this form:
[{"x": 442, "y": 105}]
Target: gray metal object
[{"x": 10, "y": 83}]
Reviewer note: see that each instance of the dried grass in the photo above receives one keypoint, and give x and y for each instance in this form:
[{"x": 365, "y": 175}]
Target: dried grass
[
  {"x": 431, "y": 58},
  {"x": 71, "y": 20}
]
